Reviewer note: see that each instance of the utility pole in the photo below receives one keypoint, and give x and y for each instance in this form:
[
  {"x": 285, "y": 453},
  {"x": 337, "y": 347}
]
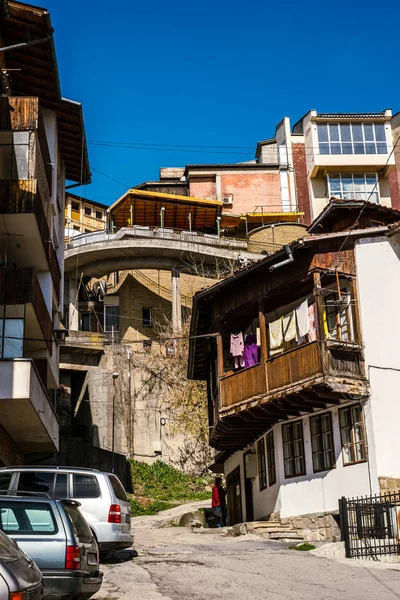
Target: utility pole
[{"x": 115, "y": 376}]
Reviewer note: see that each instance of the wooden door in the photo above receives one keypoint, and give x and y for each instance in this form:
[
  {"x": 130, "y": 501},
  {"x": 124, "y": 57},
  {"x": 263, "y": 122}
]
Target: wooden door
[{"x": 234, "y": 496}]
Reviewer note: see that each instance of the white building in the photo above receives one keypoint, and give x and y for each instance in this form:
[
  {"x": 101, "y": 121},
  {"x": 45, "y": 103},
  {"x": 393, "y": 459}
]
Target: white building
[{"x": 315, "y": 417}]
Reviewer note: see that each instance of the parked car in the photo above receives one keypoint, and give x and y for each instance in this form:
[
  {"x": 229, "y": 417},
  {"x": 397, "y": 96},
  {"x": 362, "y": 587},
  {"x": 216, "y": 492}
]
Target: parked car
[
  {"x": 20, "y": 578},
  {"x": 57, "y": 537},
  {"x": 103, "y": 499}
]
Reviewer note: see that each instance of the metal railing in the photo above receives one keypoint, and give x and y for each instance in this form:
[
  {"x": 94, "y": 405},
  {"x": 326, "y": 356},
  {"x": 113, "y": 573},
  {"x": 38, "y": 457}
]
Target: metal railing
[
  {"x": 370, "y": 525},
  {"x": 191, "y": 237}
]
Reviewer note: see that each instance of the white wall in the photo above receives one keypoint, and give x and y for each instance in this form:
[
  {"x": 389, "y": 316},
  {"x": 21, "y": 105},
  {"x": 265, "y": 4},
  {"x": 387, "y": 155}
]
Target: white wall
[
  {"x": 313, "y": 492},
  {"x": 378, "y": 278}
]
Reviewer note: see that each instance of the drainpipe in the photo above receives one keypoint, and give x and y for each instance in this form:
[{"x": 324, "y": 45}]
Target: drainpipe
[{"x": 287, "y": 260}]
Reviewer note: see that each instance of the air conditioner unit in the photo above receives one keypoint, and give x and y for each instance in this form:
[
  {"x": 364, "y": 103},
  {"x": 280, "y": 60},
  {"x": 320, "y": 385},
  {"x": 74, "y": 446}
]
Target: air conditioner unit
[{"x": 227, "y": 201}]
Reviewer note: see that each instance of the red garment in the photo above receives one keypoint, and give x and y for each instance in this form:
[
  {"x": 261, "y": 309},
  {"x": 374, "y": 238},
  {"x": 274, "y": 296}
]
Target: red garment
[{"x": 215, "y": 497}]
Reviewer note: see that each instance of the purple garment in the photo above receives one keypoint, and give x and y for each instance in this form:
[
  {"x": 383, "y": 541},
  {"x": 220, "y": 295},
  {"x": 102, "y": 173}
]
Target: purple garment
[{"x": 250, "y": 355}]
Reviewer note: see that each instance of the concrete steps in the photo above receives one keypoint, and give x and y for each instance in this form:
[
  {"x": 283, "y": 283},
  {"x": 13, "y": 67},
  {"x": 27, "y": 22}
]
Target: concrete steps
[{"x": 274, "y": 530}]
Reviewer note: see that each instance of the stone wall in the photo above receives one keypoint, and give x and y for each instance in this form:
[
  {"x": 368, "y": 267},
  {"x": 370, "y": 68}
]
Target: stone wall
[
  {"x": 389, "y": 485},
  {"x": 314, "y": 527},
  {"x": 271, "y": 239}
]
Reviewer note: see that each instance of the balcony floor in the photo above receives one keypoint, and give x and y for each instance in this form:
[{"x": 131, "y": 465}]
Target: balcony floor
[
  {"x": 25, "y": 410},
  {"x": 242, "y": 423}
]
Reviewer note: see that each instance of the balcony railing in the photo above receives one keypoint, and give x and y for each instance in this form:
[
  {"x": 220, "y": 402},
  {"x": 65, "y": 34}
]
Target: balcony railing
[
  {"x": 23, "y": 197},
  {"x": 137, "y": 231},
  {"x": 21, "y": 286},
  {"x": 293, "y": 367}
]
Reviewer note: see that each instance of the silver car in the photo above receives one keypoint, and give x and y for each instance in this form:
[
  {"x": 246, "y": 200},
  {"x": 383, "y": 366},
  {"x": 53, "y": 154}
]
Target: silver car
[
  {"x": 102, "y": 497},
  {"x": 56, "y": 536},
  {"x": 20, "y": 578}
]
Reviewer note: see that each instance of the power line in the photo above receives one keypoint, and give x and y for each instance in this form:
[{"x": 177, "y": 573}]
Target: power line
[
  {"x": 147, "y": 144},
  {"x": 112, "y": 178}
]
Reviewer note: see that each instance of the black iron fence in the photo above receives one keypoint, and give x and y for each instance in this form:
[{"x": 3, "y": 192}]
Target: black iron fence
[{"x": 370, "y": 525}]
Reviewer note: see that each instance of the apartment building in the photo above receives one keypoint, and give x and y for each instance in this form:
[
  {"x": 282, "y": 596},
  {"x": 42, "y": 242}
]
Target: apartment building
[
  {"x": 83, "y": 215},
  {"x": 42, "y": 146},
  {"x": 295, "y": 173},
  {"x": 300, "y": 358}
]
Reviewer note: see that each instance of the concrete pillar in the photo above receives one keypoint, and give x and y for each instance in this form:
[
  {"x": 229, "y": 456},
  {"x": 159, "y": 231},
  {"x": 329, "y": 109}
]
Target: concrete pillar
[
  {"x": 176, "y": 299},
  {"x": 73, "y": 324}
]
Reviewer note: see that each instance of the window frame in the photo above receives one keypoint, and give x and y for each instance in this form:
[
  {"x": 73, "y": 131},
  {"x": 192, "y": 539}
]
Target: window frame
[
  {"x": 352, "y": 143},
  {"x": 352, "y": 443},
  {"x": 3, "y": 337},
  {"x": 320, "y": 433},
  {"x": 87, "y": 475},
  {"x": 261, "y": 465},
  {"x": 354, "y": 195},
  {"x": 27, "y": 505},
  {"x": 271, "y": 464},
  {"x": 110, "y": 329},
  {"x": 345, "y": 290},
  {"x": 99, "y": 212},
  {"x": 291, "y": 444},
  {"x": 87, "y": 211},
  {"x": 147, "y": 322}
]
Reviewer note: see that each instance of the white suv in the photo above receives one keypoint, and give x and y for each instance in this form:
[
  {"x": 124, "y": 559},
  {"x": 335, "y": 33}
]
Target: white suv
[{"x": 103, "y": 500}]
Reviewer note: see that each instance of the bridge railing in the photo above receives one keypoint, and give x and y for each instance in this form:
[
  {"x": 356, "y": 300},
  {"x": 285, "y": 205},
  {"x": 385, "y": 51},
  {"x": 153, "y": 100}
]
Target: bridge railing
[{"x": 137, "y": 231}]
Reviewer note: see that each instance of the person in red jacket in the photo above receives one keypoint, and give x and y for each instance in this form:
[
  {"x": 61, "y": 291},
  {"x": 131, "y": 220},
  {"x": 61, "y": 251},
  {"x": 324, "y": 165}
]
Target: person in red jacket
[{"x": 218, "y": 502}]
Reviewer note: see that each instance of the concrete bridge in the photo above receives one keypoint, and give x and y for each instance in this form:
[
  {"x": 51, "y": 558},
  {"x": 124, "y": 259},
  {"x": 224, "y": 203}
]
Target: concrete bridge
[{"x": 99, "y": 253}]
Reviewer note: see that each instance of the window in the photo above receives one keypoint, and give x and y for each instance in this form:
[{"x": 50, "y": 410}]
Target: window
[
  {"x": 28, "y": 518},
  {"x": 5, "y": 481},
  {"x": 262, "y": 469},
  {"x": 322, "y": 446},
  {"x": 11, "y": 338},
  {"x": 271, "y": 458},
  {"x": 337, "y": 319},
  {"x": 86, "y": 321},
  {"x": 293, "y": 449},
  {"x": 352, "y": 435},
  {"x": 86, "y": 486},
  {"x": 34, "y": 481},
  {"x": 352, "y": 138},
  {"x": 354, "y": 186},
  {"x": 61, "y": 486},
  {"x": 118, "y": 488},
  {"x": 111, "y": 317},
  {"x": 79, "y": 526},
  {"x": 146, "y": 317},
  {"x": 99, "y": 215},
  {"x": 88, "y": 211}
]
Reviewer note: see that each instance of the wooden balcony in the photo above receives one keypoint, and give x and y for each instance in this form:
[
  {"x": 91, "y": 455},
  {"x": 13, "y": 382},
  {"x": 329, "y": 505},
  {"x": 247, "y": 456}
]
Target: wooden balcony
[
  {"x": 22, "y": 197},
  {"x": 21, "y": 286},
  {"x": 24, "y": 114},
  {"x": 238, "y": 386},
  {"x": 290, "y": 369},
  {"x": 309, "y": 377}
]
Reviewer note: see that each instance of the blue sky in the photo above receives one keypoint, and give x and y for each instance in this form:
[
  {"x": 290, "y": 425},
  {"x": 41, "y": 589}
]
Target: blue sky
[{"x": 214, "y": 73}]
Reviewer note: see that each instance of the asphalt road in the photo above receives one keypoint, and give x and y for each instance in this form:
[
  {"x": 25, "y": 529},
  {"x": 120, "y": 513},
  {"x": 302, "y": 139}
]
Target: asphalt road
[{"x": 178, "y": 564}]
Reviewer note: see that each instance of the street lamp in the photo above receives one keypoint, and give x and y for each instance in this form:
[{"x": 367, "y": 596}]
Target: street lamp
[{"x": 115, "y": 376}]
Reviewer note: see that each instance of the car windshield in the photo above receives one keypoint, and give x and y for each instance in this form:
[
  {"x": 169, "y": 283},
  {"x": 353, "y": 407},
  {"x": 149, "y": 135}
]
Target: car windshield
[
  {"x": 118, "y": 488},
  {"x": 8, "y": 550}
]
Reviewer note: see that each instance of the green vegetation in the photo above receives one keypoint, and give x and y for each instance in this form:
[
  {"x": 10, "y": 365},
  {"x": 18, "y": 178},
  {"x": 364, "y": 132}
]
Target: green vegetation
[
  {"x": 159, "y": 487},
  {"x": 303, "y": 547}
]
